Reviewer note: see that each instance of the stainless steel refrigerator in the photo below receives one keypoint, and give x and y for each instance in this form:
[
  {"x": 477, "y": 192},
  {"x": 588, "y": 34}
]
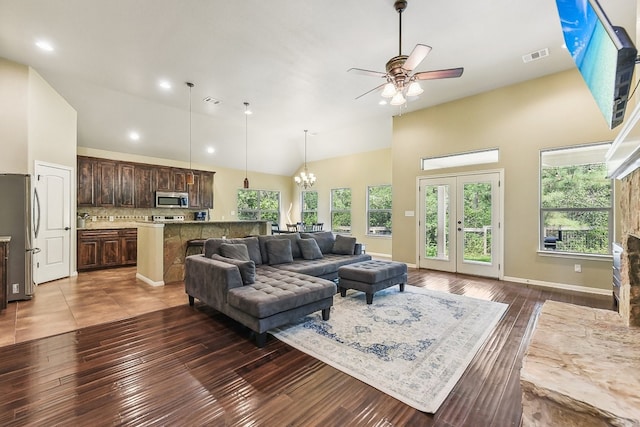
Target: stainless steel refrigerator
[{"x": 19, "y": 201}]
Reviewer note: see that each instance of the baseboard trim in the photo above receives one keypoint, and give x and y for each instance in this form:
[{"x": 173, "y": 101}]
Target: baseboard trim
[
  {"x": 149, "y": 281},
  {"x": 562, "y": 286}
]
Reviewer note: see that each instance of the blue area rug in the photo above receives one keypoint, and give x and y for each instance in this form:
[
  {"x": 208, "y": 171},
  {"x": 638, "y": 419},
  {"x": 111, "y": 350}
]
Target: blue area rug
[{"x": 413, "y": 345}]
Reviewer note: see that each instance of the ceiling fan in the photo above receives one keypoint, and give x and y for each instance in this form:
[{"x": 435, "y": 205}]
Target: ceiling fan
[{"x": 400, "y": 80}]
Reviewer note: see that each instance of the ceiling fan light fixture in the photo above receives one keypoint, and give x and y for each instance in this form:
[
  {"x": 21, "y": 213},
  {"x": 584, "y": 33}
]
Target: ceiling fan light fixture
[
  {"x": 389, "y": 90},
  {"x": 398, "y": 99},
  {"x": 414, "y": 89}
]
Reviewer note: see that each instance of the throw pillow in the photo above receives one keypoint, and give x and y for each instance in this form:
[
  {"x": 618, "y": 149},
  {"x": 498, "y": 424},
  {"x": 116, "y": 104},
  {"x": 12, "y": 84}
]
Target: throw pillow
[
  {"x": 324, "y": 239},
  {"x": 279, "y": 251},
  {"x": 235, "y": 250},
  {"x": 309, "y": 249},
  {"x": 247, "y": 268},
  {"x": 344, "y": 245}
]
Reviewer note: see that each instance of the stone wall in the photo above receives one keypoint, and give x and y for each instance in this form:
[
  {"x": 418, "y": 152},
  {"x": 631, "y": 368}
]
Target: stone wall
[{"x": 630, "y": 263}]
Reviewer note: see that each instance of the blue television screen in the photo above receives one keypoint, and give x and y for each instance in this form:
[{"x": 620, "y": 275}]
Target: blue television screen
[{"x": 604, "y": 54}]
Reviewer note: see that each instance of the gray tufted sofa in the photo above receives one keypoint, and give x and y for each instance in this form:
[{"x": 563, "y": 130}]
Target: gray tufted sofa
[{"x": 264, "y": 292}]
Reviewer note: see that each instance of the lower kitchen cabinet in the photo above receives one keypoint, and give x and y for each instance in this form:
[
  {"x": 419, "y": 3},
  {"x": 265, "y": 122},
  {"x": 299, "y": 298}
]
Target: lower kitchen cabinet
[{"x": 106, "y": 248}]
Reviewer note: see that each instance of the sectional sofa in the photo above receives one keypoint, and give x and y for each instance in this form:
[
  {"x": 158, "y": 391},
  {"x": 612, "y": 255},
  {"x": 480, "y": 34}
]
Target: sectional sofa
[{"x": 267, "y": 281}]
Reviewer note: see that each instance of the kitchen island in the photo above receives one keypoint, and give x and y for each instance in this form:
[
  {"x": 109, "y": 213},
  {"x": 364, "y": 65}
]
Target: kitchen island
[{"x": 162, "y": 245}]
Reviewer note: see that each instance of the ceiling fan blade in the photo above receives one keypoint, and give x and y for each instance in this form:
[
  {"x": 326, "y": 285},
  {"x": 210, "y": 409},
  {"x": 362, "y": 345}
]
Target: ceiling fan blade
[
  {"x": 372, "y": 90},
  {"x": 439, "y": 74},
  {"x": 367, "y": 72},
  {"x": 417, "y": 56}
]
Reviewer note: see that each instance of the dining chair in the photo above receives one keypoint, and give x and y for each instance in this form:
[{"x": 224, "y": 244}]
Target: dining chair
[
  {"x": 317, "y": 226},
  {"x": 292, "y": 227}
]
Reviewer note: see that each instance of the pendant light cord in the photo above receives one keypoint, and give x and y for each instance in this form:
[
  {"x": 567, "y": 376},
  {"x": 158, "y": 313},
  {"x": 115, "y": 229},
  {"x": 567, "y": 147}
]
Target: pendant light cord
[{"x": 190, "y": 86}]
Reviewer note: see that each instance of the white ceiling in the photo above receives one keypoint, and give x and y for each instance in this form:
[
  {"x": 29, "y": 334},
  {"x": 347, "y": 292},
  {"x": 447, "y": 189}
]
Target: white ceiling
[{"x": 288, "y": 59}]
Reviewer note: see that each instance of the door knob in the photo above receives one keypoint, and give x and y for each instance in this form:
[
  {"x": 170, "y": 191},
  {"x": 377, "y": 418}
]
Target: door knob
[
  {"x": 459, "y": 229},
  {"x": 67, "y": 228}
]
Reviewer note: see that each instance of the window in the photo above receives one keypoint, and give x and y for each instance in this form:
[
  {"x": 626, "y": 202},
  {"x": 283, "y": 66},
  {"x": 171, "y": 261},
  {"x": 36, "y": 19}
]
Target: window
[
  {"x": 341, "y": 210},
  {"x": 576, "y": 200},
  {"x": 259, "y": 205},
  {"x": 309, "y": 207},
  {"x": 461, "y": 159},
  {"x": 379, "y": 210}
]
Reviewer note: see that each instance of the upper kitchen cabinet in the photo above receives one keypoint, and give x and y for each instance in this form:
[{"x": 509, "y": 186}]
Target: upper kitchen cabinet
[
  {"x": 164, "y": 179},
  {"x": 107, "y": 173},
  {"x": 206, "y": 190},
  {"x": 126, "y": 185},
  {"x": 86, "y": 181},
  {"x": 110, "y": 183},
  {"x": 144, "y": 186}
]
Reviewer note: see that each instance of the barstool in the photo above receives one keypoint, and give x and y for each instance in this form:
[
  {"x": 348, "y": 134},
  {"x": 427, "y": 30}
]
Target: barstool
[{"x": 194, "y": 243}]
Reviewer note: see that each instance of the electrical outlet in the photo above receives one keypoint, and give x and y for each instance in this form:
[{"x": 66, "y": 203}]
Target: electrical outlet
[
  {"x": 16, "y": 288},
  {"x": 577, "y": 268}
]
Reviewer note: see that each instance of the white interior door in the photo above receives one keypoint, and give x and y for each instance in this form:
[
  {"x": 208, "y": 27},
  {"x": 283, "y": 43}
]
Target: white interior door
[
  {"x": 460, "y": 224},
  {"x": 53, "y": 186}
]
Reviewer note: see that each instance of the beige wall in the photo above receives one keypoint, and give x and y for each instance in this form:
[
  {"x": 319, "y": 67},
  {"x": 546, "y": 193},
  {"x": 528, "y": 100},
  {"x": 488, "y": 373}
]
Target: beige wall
[
  {"x": 520, "y": 120},
  {"x": 14, "y": 80},
  {"x": 52, "y": 125},
  {"x": 357, "y": 172}
]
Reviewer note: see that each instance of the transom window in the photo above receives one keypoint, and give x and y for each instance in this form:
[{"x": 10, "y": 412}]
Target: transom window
[
  {"x": 341, "y": 210},
  {"x": 379, "y": 210},
  {"x": 262, "y": 205},
  {"x": 576, "y": 200}
]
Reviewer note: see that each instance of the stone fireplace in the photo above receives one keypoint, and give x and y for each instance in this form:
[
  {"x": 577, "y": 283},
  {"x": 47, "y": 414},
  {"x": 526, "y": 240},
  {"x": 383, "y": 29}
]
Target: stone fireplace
[{"x": 630, "y": 262}]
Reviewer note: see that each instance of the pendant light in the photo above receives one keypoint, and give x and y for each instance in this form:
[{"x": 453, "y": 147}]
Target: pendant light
[
  {"x": 305, "y": 179},
  {"x": 190, "y": 179},
  {"x": 247, "y": 112}
]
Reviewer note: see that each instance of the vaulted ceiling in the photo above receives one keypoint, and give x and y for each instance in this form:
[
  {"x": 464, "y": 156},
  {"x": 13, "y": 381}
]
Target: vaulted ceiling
[{"x": 288, "y": 59}]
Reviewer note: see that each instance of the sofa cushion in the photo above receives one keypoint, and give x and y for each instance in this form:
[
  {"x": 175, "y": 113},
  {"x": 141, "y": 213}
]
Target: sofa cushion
[
  {"x": 279, "y": 251},
  {"x": 292, "y": 237},
  {"x": 276, "y": 291},
  {"x": 212, "y": 246},
  {"x": 235, "y": 250},
  {"x": 344, "y": 245},
  {"x": 324, "y": 239},
  {"x": 324, "y": 267},
  {"x": 247, "y": 268},
  {"x": 309, "y": 249}
]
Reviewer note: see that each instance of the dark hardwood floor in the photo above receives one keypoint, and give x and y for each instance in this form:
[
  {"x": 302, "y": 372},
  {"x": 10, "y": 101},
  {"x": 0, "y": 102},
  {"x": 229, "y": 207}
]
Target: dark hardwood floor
[{"x": 192, "y": 366}]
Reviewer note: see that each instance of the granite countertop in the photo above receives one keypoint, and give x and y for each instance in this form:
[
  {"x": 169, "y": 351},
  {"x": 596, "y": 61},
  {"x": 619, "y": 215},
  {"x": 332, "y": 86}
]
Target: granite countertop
[
  {"x": 109, "y": 225},
  {"x": 4, "y": 239}
]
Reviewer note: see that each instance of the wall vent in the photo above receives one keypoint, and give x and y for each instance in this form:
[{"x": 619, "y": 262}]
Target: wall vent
[{"x": 534, "y": 56}]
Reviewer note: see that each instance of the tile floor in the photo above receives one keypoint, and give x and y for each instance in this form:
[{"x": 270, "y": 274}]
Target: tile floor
[{"x": 88, "y": 299}]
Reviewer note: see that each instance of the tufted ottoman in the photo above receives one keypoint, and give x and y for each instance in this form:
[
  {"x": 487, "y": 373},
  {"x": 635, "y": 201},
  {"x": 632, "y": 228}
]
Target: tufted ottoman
[{"x": 371, "y": 276}]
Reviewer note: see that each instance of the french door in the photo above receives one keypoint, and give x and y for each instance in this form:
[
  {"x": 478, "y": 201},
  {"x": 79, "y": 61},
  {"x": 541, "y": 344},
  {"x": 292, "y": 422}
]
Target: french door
[{"x": 460, "y": 224}]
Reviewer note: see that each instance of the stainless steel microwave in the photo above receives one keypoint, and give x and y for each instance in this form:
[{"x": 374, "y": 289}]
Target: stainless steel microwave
[{"x": 165, "y": 199}]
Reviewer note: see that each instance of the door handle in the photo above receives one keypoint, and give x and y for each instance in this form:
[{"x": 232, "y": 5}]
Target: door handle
[
  {"x": 67, "y": 228},
  {"x": 459, "y": 229}
]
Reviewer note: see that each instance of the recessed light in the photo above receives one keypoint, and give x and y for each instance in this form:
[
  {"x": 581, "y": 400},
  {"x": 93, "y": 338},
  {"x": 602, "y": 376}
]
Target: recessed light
[
  {"x": 135, "y": 136},
  {"x": 164, "y": 84},
  {"x": 211, "y": 150},
  {"x": 382, "y": 102},
  {"x": 211, "y": 100},
  {"x": 44, "y": 45}
]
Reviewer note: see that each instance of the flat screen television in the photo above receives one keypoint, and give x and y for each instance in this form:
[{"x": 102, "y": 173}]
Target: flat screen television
[{"x": 604, "y": 54}]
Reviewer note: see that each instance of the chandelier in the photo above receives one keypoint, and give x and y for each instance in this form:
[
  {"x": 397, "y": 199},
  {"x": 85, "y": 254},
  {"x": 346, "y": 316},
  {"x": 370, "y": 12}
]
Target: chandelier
[{"x": 305, "y": 179}]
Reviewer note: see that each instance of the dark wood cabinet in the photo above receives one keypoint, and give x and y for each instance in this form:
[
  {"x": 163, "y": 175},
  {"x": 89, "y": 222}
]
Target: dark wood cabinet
[
  {"x": 164, "y": 179},
  {"x": 144, "y": 187},
  {"x": 4, "y": 286},
  {"x": 206, "y": 190},
  {"x": 194, "y": 191},
  {"x": 107, "y": 248},
  {"x": 126, "y": 185},
  {"x": 129, "y": 246},
  {"x": 179, "y": 180},
  {"x": 109, "y": 183},
  {"x": 107, "y": 173},
  {"x": 86, "y": 181}
]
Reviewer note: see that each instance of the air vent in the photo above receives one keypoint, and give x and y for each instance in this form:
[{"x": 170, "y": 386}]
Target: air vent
[
  {"x": 534, "y": 56},
  {"x": 211, "y": 100}
]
